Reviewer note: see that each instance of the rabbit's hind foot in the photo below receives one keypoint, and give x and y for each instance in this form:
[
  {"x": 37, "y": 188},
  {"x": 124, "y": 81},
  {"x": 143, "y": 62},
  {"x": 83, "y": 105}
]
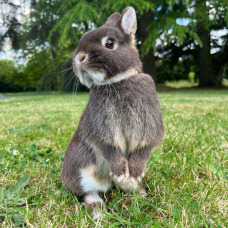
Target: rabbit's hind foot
[{"x": 95, "y": 203}]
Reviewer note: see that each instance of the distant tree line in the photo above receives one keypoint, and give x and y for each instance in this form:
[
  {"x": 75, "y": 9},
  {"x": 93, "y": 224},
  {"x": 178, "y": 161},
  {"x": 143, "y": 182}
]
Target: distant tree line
[{"x": 174, "y": 37}]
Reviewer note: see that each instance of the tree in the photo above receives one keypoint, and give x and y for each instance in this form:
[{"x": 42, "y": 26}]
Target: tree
[
  {"x": 148, "y": 60},
  {"x": 8, "y": 71},
  {"x": 210, "y": 16},
  {"x": 205, "y": 18},
  {"x": 9, "y": 12},
  {"x": 219, "y": 24},
  {"x": 60, "y": 24},
  {"x": 57, "y": 26},
  {"x": 204, "y": 58},
  {"x": 154, "y": 19}
]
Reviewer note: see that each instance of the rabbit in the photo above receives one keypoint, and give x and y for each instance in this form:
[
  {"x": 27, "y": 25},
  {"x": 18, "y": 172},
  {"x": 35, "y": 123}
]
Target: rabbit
[{"x": 122, "y": 121}]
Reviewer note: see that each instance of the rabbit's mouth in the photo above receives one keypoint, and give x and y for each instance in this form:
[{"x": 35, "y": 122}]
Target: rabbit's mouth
[{"x": 90, "y": 77}]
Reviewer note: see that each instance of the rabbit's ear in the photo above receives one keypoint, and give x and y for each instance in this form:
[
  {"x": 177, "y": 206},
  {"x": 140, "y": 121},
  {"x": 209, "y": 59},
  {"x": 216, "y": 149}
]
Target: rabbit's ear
[
  {"x": 112, "y": 20},
  {"x": 128, "y": 21}
]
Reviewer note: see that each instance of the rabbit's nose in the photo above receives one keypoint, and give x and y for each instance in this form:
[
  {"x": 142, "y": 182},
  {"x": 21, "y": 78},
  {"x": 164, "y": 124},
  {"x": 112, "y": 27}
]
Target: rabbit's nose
[{"x": 81, "y": 56}]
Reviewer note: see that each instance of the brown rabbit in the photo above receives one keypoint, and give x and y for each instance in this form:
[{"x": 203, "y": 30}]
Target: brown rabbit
[{"x": 122, "y": 122}]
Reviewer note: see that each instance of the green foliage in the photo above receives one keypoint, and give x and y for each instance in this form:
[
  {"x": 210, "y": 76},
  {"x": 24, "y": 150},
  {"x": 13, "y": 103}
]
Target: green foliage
[
  {"x": 118, "y": 6},
  {"x": 181, "y": 84},
  {"x": 216, "y": 9},
  {"x": 79, "y": 13},
  {"x": 76, "y": 17},
  {"x": 50, "y": 33},
  {"x": 84, "y": 15},
  {"x": 204, "y": 16},
  {"x": 14, "y": 199},
  {"x": 7, "y": 69},
  {"x": 225, "y": 82},
  {"x": 44, "y": 70},
  {"x": 24, "y": 78},
  {"x": 167, "y": 71},
  {"x": 11, "y": 199},
  {"x": 191, "y": 76},
  {"x": 8, "y": 73},
  {"x": 36, "y": 67},
  {"x": 165, "y": 23}
]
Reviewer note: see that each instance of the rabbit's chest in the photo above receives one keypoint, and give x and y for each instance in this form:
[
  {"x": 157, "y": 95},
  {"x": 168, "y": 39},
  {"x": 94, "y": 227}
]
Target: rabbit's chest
[
  {"x": 127, "y": 140},
  {"x": 126, "y": 128},
  {"x": 126, "y": 123}
]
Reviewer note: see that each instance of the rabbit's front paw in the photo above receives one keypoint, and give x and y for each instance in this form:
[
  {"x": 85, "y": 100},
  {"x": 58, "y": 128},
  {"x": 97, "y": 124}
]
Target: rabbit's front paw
[
  {"x": 125, "y": 181},
  {"x": 120, "y": 178},
  {"x": 139, "y": 178},
  {"x": 120, "y": 172}
]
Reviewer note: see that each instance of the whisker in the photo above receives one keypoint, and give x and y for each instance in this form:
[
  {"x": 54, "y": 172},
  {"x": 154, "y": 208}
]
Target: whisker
[
  {"x": 69, "y": 79},
  {"x": 57, "y": 64}
]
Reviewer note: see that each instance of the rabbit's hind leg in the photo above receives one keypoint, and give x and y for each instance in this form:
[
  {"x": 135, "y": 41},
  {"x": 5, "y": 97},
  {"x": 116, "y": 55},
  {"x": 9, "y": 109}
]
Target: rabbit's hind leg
[
  {"x": 93, "y": 201},
  {"x": 94, "y": 179}
]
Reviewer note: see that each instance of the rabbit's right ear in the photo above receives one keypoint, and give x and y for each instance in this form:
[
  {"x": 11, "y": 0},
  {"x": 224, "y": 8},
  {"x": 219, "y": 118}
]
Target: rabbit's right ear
[
  {"x": 112, "y": 20},
  {"x": 129, "y": 21}
]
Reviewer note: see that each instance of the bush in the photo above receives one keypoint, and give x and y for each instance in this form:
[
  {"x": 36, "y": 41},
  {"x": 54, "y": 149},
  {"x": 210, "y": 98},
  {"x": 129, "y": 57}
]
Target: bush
[{"x": 166, "y": 71}]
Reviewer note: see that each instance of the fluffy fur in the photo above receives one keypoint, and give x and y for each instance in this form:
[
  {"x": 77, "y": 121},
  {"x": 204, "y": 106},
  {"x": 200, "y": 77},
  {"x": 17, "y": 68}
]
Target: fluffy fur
[{"x": 122, "y": 122}]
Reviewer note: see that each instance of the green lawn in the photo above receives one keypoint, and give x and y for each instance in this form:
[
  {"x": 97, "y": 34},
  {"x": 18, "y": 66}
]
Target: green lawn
[{"x": 187, "y": 177}]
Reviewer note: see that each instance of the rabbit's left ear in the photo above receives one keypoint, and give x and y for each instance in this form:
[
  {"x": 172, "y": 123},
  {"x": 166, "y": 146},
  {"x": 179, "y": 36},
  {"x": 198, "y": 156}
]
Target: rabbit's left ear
[{"x": 129, "y": 21}]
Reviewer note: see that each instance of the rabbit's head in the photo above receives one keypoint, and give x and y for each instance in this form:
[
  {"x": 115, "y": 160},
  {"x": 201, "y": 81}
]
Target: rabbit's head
[{"x": 108, "y": 54}]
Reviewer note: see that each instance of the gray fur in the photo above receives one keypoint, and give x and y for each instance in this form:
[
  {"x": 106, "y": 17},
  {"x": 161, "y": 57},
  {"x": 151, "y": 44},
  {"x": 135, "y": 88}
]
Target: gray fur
[{"x": 122, "y": 122}]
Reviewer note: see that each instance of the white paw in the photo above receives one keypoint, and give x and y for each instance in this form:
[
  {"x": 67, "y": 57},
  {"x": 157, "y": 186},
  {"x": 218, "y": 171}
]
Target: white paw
[
  {"x": 133, "y": 183},
  {"x": 126, "y": 182},
  {"x": 96, "y": 214},
  {"x": 120, "y": 178},
  {"x": 139, "y": 179},
  {"x": 143, "y": 192}
]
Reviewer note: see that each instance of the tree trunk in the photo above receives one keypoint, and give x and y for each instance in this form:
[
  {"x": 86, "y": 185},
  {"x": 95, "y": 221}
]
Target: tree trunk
[
  {"x": 148, "y": 60},
  {"x": 204, "y": 58},
  {"x": 205, "y": 70},
  {"x": 220, "y": 75}
]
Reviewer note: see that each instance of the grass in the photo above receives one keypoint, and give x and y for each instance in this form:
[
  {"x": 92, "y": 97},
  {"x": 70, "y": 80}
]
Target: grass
[
  {"x": 225, "y": 82},
  {"x": 188, "y": 84},
  {"x": 187, "y": 176},
  {"x": 181, "y": 84}
]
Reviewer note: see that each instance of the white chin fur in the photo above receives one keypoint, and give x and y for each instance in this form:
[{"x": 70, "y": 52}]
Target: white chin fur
[
  {"x": 119, "y": 77},
  {"x": 85, "y": 79},
  {"x": 90, "y": 78},
  {"x": 97, "y": 78}
]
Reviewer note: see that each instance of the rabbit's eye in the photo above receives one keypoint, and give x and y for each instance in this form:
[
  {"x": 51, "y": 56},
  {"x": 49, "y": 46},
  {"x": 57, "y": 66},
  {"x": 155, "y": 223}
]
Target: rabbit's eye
[{"x": 109, "y": 44}]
